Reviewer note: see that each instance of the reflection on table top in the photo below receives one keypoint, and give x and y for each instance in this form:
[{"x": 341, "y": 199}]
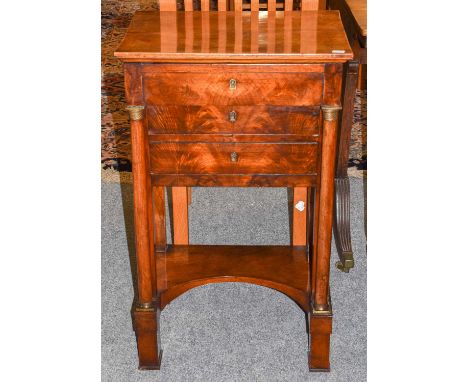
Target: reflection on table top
[{"x": 294, "y": 36}]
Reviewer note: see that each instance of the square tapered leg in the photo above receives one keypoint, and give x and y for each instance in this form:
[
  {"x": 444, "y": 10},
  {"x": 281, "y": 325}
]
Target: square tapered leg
[
  {"x": 320, "y": 329},
  {"x": 146, "y": 326}
]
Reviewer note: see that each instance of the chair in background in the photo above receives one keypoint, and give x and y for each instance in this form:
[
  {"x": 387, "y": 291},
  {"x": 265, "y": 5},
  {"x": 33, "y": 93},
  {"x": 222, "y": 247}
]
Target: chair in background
[{"x": 354, "y": 17}]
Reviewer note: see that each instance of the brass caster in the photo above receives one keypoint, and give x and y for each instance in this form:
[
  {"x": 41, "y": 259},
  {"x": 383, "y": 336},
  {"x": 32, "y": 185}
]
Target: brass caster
[
  {"x": 346, "y": 262},
  {"x": 339, "y": 265}
]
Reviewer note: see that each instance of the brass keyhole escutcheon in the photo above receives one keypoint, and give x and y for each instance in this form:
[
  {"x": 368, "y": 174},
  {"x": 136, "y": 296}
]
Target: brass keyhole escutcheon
[
  {"x": 232, "y": 116},
  {"x": 234, "y": 157},
  {"x": 232, "y": 84}
]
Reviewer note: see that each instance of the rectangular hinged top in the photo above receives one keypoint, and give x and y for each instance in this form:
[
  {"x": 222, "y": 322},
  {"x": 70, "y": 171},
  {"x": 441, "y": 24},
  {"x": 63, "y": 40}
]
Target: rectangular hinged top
[{"x": 233, "y": 37}]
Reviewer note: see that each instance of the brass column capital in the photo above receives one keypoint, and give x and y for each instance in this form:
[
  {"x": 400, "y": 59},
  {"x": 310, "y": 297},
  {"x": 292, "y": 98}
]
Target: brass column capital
[
  {"x": 145, "y": 307},
  {"x": 136, "y": 112},
  {"x": 330, "y": 113}
]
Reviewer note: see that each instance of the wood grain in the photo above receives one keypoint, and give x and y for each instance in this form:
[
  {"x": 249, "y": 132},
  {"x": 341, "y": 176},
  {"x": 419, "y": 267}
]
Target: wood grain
[
  {"x": 273, "y": 5},
  {"x": 320, "y": 327},
  {"x": 133, "y": 84},
  {"x": 171, "y": 5},
  {"x": 282, "y": 89},
  {"x": 230, "y": 180},
  {"x": 299, "y": 236},
  {"x": 159, "y": 201},
  {"x": 148, "y": 69},
  {"x": 213, "y": 119},
  {"x": 333, "y": 77},
  {"x": 142, "y": 212},
  {"x": 146, "y": 326},
  {"x": 286, "y": 65},
  {"x": 283, "y": 268},
  {"x": 312, "y": 237},
  {"x": 228, "y": 137},
  {"x": 180, "y": 215},
  {"x": 148, "y": 29},
  {"x": 358, "y": 9},
  {"x": 217, "y": 158},
  {"x": 325, "y": 218}
]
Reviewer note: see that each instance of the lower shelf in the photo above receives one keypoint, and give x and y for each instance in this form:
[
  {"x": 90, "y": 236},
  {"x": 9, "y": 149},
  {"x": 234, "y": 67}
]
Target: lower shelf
[{"x": 283, "y": 268}]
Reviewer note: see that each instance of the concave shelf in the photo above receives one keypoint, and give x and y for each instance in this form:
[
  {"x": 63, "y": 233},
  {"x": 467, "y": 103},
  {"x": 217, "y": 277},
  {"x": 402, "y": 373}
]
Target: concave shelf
[{"x": 283, "y": 268}]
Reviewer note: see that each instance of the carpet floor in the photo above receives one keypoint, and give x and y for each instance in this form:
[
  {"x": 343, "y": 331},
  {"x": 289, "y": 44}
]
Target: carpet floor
[{"x": 229, "y": 331}]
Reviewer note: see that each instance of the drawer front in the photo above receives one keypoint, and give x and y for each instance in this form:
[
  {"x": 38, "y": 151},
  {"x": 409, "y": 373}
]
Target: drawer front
[
  {"x": 184, "y": 88},
  {"x": 233, "y": 158},
  {"x": 301, "y": 120}
]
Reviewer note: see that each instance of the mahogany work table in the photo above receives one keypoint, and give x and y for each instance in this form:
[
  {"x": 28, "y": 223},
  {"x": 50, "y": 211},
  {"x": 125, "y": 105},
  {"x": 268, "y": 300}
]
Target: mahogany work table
[{"x": 238, "y": 99}]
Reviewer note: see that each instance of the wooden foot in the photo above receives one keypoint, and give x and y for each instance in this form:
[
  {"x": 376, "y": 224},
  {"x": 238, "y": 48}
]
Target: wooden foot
[
  {"x": 320, "y": 328},
  {"x": 146, "y": 326},
  {"x": 341, "y": 225}
]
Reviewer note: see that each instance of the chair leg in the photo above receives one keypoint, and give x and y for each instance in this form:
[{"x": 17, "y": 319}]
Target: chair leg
[
  {"x": 341, "y": 221},
  {"x": 180, "y": 214},
  {"x": 362, "y": 77},
  {"x": 299, "y": 236}
]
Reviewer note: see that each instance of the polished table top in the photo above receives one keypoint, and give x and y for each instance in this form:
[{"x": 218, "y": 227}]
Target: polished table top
[{"x": 270, "y": 37}]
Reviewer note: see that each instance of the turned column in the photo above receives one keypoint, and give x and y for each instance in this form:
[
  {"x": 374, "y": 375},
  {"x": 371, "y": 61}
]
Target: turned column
[
  {"x": 330, "y": 118},
  {"x": 141, "y": 206},
  {"x": 145, "y": 313},
  {"x": 320, "y": 316}
]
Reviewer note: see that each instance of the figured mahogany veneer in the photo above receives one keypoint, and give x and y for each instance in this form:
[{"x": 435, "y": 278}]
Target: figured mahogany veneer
[
  {"x": 233, "y": 99},
  {"x": 233, "y": 158},
  {"x": 295, "y": 89},
  {"x": 232, "y": 180},
  {"x": 214, "y": 119}
]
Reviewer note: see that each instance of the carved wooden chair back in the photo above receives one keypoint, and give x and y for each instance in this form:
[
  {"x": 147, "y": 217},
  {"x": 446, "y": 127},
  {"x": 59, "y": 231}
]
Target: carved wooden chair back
[{"x": 240, "y": 5}]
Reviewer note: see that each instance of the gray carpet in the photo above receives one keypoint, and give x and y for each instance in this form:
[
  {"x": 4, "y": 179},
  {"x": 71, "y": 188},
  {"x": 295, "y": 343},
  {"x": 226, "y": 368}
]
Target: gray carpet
[{"x": 229, "y": 331}]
